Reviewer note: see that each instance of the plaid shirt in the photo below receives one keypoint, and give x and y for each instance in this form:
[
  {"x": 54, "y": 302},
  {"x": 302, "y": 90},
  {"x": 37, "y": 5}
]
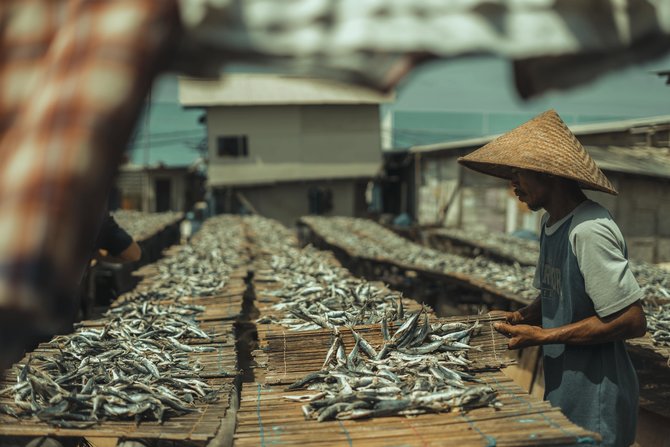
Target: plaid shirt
[{"x": 74, "y": 74}]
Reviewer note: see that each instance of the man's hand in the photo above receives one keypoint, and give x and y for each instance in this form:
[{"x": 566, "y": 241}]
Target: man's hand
[
  {"x": 520, "y": 335},
  {"x": 511, "y": 317}
]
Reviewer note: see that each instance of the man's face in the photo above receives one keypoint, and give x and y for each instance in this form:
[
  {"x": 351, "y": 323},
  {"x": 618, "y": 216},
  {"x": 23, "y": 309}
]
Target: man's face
[{"x": 530, "y": 187}]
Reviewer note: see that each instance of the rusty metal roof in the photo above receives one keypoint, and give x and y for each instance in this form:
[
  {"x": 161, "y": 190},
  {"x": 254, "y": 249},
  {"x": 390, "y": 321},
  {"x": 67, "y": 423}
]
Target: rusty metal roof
[{"x": 646, "y": 161}]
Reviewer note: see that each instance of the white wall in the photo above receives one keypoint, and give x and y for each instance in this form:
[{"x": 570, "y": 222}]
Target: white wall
[{"x": 306, "y": 134}]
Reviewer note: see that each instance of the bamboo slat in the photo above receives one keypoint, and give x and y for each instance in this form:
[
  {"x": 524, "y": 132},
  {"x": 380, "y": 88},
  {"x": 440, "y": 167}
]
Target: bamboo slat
[
  {"x": 288, "y": 355},
  {"x": 199, "y": 426},
  {"x": 217, "y": 369},
  {"x": 266, "y": 418}
]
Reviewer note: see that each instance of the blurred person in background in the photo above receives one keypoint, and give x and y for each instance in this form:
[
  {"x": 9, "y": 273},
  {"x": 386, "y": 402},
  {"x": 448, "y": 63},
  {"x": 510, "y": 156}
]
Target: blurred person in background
[
  {"x": 115, "y": 245},
  {"x": 589, "y": 300},
  {"x": 186, "y": 228},
  {"x": 113, "y": 248}
]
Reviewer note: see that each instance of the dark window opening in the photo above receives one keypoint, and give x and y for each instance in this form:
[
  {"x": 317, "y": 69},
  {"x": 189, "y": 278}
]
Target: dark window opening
[
  {"x": 320, "y": 200},
  {"x": 163, "y": 197},
  {"x": 235, "y": 146}
]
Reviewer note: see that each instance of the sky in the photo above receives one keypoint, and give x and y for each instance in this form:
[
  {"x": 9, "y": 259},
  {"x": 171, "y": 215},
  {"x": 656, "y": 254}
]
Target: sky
[
  {"x": 470, "y": 98},
  {"x": 166, "y": 133},
  {"x": 440, "y": 101},
  {"x": 486, "y": 84}
]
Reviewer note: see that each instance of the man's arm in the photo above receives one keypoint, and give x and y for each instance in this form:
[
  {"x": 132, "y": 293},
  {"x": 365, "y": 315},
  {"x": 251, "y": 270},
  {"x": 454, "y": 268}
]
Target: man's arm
[
  {"x": 115, "y": 244},
  {"x": 132, "y": 253},
  {"x": 531, "y": 314},
  {"x": 629, "y": 322}
]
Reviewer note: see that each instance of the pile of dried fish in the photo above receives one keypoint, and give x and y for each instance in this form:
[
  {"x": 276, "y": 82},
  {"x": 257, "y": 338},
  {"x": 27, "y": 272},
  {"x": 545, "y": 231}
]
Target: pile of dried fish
[
  {"x": 419, "y": 369},
  {"x": 201, "y": 268},
  {"x": 316, "y": 293},
  {"x": 135, "y": 367},
  {"x": 514, "y": 249},
  {"x": 268, "y": 235},
  {"x": 368, "y": 239},
  {"x": 654, "y": 281},
  {"x": 656, "y": 285},
  {"x": 141, "y": 225},
  {"x": 658, "y": 322}
]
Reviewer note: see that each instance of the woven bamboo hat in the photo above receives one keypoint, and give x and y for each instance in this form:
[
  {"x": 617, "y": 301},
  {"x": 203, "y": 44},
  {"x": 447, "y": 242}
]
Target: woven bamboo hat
[{"x": 543, "y": 144}]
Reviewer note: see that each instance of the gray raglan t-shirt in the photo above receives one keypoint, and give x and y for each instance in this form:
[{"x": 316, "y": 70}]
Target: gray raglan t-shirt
[{"x": 583, "y": 271}]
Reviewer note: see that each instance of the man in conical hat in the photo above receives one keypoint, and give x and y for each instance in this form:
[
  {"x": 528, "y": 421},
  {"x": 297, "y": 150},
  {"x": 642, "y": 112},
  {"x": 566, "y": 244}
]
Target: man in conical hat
[{"x": 589, "y": 301}]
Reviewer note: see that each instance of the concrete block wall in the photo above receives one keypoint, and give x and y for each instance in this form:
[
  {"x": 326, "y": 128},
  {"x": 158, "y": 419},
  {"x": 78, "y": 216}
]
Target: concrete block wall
[{"x": 642, "y": 211}]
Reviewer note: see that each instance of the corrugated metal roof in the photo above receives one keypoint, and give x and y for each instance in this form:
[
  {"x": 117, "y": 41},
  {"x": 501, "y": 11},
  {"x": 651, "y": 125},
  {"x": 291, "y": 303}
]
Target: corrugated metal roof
[
  {"x": 253, "y": 174},
  {"x": 273, "y": 89},
  {"x": 647, "y": 161},
  {"x": 577, "y": 129},
  {"x": 449, "y": 145},
  {"x": 612, "y": 126}
]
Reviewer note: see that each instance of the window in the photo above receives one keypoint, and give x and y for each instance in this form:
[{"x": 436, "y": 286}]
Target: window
[
  {"x": 320, "y": 200},
  {"x": 232, "y": 146}
]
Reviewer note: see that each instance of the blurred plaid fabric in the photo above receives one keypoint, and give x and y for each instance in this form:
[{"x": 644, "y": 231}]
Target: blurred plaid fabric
[
  {"x": 73, "y": 77},
  {"x": 553, "y": 43}
]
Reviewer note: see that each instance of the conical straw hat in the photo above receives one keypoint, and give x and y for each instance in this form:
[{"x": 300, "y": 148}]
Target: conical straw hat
[{"x": 543, "y": 144}]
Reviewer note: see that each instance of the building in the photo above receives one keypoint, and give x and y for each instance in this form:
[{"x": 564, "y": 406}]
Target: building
[
  {"x": 639, "y": 132},
  {"x": 159, "y": 188},
  {"x": 284, "y": 147},
  {"x": 634, "y": 154}
]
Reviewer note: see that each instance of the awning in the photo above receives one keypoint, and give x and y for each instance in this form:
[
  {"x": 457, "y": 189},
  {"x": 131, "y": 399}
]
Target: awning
[{"x": 222, "y": 174}]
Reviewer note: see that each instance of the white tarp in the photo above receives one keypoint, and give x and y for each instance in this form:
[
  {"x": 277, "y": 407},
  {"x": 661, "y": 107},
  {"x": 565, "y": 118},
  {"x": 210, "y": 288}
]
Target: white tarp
[{"x": 553, "y": 43}]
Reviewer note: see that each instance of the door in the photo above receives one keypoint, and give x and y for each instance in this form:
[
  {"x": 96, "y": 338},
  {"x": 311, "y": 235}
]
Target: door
[{"x": 163, "y": 197}]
